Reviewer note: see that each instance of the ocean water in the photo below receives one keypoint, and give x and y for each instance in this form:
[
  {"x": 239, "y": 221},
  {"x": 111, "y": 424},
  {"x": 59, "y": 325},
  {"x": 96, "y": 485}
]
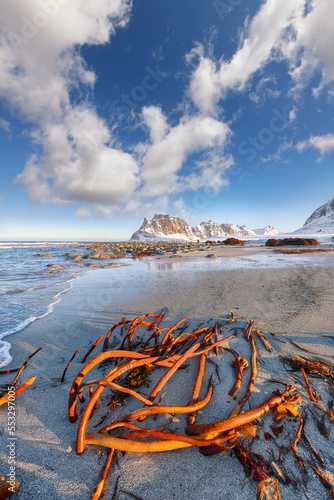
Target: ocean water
[{"x": 28, "y": 288}]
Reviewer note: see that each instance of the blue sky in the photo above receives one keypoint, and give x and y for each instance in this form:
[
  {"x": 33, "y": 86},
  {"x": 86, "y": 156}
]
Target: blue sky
[{"x": 114, "y": 110}]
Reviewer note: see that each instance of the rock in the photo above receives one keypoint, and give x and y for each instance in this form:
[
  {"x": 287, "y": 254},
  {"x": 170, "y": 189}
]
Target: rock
[
  {"x": 91, "y": 256},
  {"x": 106, "y": 256},
  {"x": 234, "y": 241},
  {"x": 291, "y": 242},
  {"x": 272, "y": 242},
  {"x": 111, "y": 266},
  {"x": 53, "y": 268},
  {"x": 211, "y": 256},
  {"x": 74, "y": 256},
  {"x": 300, "y": 241}
]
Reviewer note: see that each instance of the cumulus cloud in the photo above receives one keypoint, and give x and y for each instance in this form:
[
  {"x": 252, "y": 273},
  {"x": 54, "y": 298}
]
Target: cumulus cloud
[
  {"x": 211, "y": 80},
  {"x": 75, "y": 157},
  {"x": 150, "y": 207},
  {"x": 40, "y": 66},
  {"x": 163, "y": 160},
  {"x": 299, "y": 32},
  {"x": 204, "y": 87},
  {"x": 156, "y": 122},
  {"x": 310, "y": 48},
  {"x": 323, "y": 143}
]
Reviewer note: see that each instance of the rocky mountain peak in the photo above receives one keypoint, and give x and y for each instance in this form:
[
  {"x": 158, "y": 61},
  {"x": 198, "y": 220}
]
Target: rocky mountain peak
[{"x": 164, "y": 226}]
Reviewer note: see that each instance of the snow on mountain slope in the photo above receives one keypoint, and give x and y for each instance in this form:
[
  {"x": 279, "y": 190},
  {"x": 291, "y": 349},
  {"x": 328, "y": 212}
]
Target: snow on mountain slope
[
  {"x": 321, "y": 221},
  {"x": 263, "y": 231},
  {"x": 208, "y": 229}
]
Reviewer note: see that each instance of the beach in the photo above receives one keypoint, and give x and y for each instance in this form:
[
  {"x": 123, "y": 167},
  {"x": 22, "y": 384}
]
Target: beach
[{"x": 293, "y": 300}]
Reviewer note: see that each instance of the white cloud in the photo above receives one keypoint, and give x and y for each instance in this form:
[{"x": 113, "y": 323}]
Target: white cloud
[
  {"x": 323, "y": 143},
  {"x": 299, "y": 31},
  {"x": 2, "y": 197},
  {"x": 138, "y": 206},
  {"x": 4, "y": 124},
  {"x": 204, "y": 87},
  {"x": 262, "y": 37},
  {"x": 212, "y": 80},
  {"x": 164, "y": 159},
  {"x": 156, "y": 122},
  {"x": 310, "y": 49},
  {"x": 78, "y": 159},
  {"x": 39, "y": 68}
]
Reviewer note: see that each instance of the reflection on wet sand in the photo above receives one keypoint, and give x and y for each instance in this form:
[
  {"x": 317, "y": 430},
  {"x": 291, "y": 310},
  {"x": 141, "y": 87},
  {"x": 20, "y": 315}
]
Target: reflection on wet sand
[{"x": 255, "y": 261}]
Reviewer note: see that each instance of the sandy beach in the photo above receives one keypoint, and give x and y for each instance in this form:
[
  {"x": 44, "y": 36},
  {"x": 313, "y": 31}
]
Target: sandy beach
[{"x": 294, "y": 301}]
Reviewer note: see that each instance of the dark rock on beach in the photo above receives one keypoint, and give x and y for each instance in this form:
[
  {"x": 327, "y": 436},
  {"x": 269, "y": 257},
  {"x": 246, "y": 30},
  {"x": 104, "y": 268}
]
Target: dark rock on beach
[
  {"x": 234, "y": 241},
  {"x": 272, "y": 242},
  {"x": 291, "y": 242}
]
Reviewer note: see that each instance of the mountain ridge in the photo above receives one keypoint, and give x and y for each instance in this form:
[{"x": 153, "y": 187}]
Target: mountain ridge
[
  {"x": 164, "y": 226},
  {"x": 321, "y": 220}
]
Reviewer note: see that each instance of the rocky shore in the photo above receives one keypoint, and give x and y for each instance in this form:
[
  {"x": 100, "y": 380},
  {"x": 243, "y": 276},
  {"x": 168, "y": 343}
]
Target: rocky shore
[{"x": 105, "y": 255}]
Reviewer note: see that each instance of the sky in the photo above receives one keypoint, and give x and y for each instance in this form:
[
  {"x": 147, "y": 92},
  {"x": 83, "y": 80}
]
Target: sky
[{"x": 114, "y": 110}]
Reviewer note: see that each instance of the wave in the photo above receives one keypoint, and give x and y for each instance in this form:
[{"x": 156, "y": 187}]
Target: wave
[
  {"x": 6, "y": 245},
  {"x": 5, "y": 357},
  {"x": 8, "y": 292}
]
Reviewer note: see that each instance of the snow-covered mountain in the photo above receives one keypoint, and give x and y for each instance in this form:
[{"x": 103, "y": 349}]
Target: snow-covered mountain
[
  {"x": 263, "y": 231},
  {"x": 163, "y": 226},
  {"x": 167, "y": 227},
  {"x": 207, "y": 230},
  {"x": 321, "y": 221}
]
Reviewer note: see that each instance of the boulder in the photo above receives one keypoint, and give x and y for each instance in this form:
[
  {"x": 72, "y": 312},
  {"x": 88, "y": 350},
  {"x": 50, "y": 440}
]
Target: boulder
[
  {"x": 300, "y": 241},
  {"x": 234, "y": 241},
  {"x": 273, "y": 243},
  {"x": 291, "y": 242},
  {"x": 106, "y": 256}
]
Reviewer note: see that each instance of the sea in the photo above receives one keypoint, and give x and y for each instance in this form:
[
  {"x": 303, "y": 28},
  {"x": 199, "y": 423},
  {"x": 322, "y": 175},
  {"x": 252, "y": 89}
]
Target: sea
[{"x": 29, "y": 287}]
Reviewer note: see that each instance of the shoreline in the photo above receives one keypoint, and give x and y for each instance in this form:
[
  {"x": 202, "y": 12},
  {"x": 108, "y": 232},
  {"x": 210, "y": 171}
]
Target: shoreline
[{"x": 295, "y": 302}]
